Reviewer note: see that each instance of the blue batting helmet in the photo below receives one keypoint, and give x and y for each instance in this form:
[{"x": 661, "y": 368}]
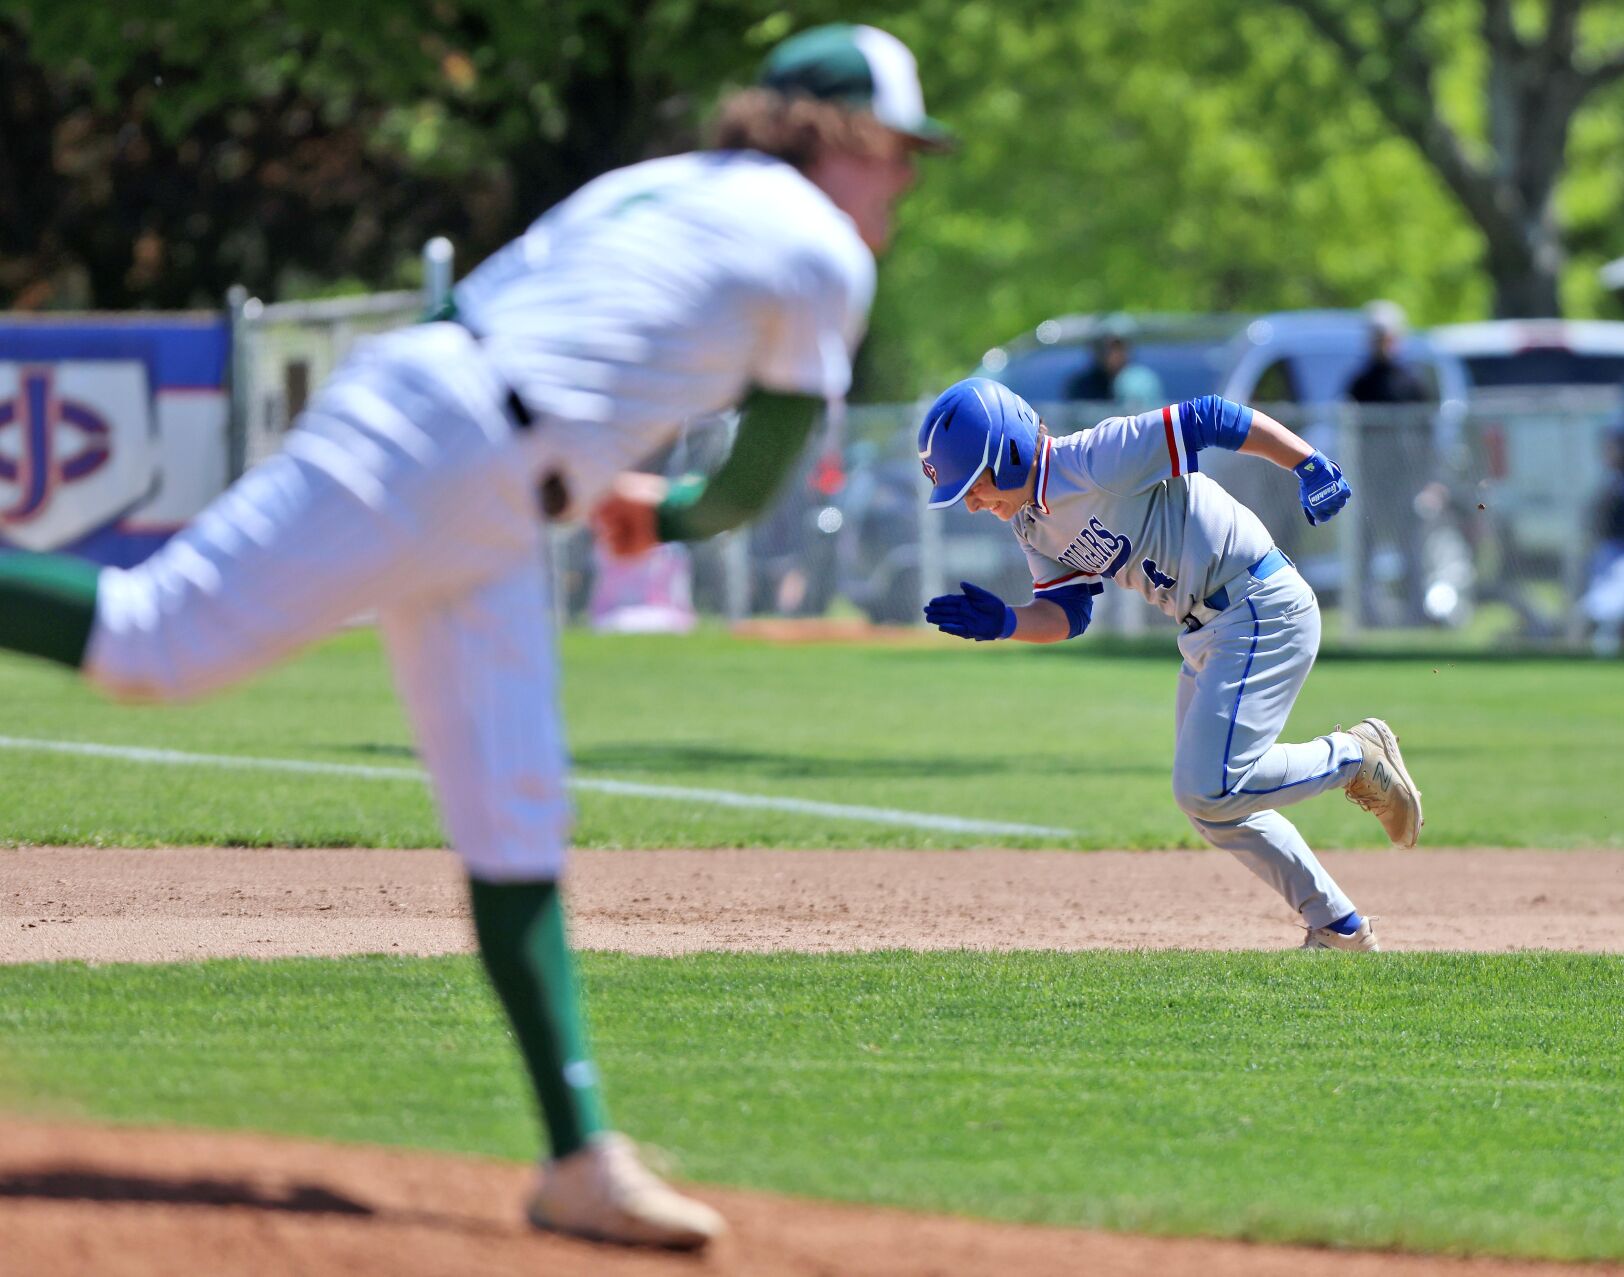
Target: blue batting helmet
[{"x": 975, "y": 425}]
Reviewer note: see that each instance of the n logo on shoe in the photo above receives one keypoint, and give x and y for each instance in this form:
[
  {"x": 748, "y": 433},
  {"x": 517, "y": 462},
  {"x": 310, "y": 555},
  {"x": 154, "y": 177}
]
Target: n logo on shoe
[{"x": 1383, "y": 777}]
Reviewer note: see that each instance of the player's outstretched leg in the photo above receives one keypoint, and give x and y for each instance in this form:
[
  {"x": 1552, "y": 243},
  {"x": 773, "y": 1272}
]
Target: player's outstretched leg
[
  {"x": 1271, "y": 847},
  {"x": 594, "y": 1186},
  {"x": 1382, "y": 785},
  {"x": 1231, "y": 771},
  {"x": 47, "y": 606},
  {"x": 478, "y": 677}
]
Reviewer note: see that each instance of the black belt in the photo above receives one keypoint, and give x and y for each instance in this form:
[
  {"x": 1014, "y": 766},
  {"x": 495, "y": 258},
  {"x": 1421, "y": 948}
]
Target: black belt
[
  {"x": 522, "y": 417},
  {"x": 552, "y": 493},
  {"x": 1218, "y": 600}
]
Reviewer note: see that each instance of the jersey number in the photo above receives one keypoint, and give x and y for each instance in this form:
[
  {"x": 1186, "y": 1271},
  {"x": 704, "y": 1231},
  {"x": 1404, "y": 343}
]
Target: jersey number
[{"x": 1159, "y": 578}]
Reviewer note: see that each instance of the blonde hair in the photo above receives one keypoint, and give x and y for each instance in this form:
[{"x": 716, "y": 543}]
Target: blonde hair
[{"x": 796, "y": 128}]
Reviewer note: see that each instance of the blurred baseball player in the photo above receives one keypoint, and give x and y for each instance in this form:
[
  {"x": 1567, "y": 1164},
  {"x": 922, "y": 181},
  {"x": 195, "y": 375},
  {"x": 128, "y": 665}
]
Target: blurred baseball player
[
  {"x": 654, "y": 294},
  {"x": 1125, "y": 502}
]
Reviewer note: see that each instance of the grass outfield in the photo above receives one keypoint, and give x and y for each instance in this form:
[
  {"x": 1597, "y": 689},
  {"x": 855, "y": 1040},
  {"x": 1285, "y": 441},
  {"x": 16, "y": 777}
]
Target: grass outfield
[
  {"x": 1429, "y": 1102},
  {"x": 1513, "y": 753}
]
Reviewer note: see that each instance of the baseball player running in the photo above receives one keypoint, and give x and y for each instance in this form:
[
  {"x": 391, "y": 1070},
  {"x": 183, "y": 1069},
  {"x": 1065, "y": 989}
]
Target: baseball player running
[
  {"x": 411, "y": 485},
  {"x": 1125, "y": 502}
]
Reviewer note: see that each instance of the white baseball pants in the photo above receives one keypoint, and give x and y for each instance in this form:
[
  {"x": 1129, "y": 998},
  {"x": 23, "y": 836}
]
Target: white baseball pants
[{"x": 407, "y": 490}]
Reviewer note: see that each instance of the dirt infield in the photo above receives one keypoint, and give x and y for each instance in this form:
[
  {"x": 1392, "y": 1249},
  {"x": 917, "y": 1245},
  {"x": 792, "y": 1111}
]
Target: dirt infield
[
  {"x": 79, "y": 1199},
  {"x": 162, "y": 906}
]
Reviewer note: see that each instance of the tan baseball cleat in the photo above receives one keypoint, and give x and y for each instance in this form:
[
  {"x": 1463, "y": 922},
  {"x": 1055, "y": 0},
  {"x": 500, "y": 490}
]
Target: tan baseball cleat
[
  {"x": 1382, "y": 786},
  {"x": 602, "y": 1192},
  {"x": 1361, "y": 941}
]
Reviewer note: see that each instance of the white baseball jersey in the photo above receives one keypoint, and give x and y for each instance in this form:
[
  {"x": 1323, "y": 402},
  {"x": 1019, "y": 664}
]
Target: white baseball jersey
[
  {"x": 1124, "y": 502},
  {"x": 653, "y": 295},
  {"x": 664, "y": 291}
]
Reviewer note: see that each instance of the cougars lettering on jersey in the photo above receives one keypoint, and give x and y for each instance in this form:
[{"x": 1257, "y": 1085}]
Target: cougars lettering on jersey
[
  {"x": 1125, "y": 502},
  {"x": 1097, "y": 551}
]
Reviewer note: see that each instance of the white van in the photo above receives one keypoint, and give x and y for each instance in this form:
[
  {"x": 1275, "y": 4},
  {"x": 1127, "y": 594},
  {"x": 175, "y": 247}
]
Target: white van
[
  {"x": 1519, "y": 353},
  {"x": 1544, "y": 394},
  {"x": 1295, "y": 364},
  {"x": 1305, "y": 357}
]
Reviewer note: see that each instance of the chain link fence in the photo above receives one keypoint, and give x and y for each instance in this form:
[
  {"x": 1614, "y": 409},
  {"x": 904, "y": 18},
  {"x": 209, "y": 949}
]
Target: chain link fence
[
  {"x": 281, "y": 352},
  {"x": 1472, "y": 525}
]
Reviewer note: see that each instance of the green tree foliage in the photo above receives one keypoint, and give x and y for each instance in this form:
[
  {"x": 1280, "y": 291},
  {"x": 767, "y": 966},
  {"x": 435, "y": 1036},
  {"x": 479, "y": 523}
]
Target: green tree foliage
[
  {"x": 1171, "y": 155},
  {"x": 1504, "y": 150},
  {"x": 1184, "y": 155},
  {"x": 1141, "y": 158},
  {"x": 154, "y": 153}
]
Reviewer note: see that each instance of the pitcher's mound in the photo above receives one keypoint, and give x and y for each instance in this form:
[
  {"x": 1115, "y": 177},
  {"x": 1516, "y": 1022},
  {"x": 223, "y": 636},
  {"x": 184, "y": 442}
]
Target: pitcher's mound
[{"x": 122, "y": 1201}]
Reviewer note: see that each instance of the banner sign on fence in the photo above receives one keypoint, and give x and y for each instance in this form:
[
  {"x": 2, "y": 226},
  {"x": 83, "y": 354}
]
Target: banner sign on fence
[{"x": 113, "y": 431}]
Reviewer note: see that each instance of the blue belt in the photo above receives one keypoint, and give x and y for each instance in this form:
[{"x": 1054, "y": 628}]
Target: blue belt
[{"x": 1218, "y": 600}]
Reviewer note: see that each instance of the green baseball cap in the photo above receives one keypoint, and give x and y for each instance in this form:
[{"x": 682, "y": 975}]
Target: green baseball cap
[{"x": 860, "y": 67}]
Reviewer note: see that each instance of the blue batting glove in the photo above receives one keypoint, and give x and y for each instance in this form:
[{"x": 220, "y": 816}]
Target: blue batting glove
[
  {"x": 976, "y": 614},
  {"x": 1321, "y": 487}
]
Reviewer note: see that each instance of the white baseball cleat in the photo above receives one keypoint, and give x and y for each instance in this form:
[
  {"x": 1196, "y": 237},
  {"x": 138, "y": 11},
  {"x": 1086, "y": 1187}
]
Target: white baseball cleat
[
  {"x": 1382, "y": 786},
  {"x": 604, "y": 1193},
  {"x": 1361, "y": 941}
]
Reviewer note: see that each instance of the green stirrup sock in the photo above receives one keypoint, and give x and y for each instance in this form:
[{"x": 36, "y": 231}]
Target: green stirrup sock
[
  {"x": 47, "y": 605},
  {"x": 521, "y": 938}
]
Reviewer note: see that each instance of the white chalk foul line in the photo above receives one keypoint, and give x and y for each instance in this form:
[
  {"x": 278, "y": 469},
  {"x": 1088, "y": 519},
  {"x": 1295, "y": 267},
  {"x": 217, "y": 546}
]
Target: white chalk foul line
[{"x": 625, "y": 788}]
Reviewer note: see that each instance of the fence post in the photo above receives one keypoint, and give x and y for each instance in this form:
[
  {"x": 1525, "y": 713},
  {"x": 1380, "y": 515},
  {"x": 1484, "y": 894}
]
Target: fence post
[
  {"x": 553, "y": 555},
  {"x": 736, "y": 573},
  {"x": 1581, "y": 443},
  {"x": 241, "y": 311},
  {"x": 438, "y": 262},
  {"x": 1350, "y": 532}
]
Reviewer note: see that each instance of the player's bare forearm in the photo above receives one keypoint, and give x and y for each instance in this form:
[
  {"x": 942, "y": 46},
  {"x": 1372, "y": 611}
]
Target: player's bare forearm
[
  {"x": 1273, "y": 442},
  {"x": 1322, "y": 489},
  {"x": 1041, "y": 621}
]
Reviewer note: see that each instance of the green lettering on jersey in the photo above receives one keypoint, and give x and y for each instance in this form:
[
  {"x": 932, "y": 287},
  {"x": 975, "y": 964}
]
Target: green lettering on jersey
[{"x": 631, "y": 201}]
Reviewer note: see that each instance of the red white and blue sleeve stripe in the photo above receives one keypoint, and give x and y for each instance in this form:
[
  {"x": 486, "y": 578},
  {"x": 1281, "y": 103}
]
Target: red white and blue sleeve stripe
[
  {"x": 1194, "y": 424},
  {"x": 1067, "y": 581},
  {"x": 1181, "y": 455},
  {"x": 1040, "y": 492}
]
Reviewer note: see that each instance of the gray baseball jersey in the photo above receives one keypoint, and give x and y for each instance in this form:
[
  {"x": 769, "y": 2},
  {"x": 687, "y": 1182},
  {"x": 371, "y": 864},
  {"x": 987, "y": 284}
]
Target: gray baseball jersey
[{"x": 1125, "y": 502}]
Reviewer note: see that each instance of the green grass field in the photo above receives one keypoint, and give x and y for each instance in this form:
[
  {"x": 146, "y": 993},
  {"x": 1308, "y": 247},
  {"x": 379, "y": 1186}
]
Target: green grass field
[
  {"x": 1429, "y": 1102},
  {"x": 1510, "y": 753}
]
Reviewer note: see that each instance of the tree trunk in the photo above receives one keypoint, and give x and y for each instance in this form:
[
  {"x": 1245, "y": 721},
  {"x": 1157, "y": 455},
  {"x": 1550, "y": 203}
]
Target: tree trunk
[
  {"x": 1527, "y": 294},
  {"x": 1524, "y": 259},
  {"x": 1534, "y": 87}
]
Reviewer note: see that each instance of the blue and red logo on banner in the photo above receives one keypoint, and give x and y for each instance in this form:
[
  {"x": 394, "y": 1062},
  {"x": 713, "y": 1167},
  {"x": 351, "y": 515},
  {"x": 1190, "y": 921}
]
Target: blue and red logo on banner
[
  {"x": 112, "y": 432},
  {"x": 46, "y": 456}
]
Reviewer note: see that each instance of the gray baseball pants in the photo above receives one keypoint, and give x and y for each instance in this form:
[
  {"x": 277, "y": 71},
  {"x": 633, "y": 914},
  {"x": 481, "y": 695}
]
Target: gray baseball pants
[{"x": 1242, "y": 673}]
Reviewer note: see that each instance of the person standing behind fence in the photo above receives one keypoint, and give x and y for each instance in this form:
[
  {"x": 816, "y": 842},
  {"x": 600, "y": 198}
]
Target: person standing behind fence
[
  {"x": 1115, "y": 378},
  {"x": 411, "y": 486},
  {"x": 1395, "y": 462},
  {"x": 1602, "y": 603}
]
